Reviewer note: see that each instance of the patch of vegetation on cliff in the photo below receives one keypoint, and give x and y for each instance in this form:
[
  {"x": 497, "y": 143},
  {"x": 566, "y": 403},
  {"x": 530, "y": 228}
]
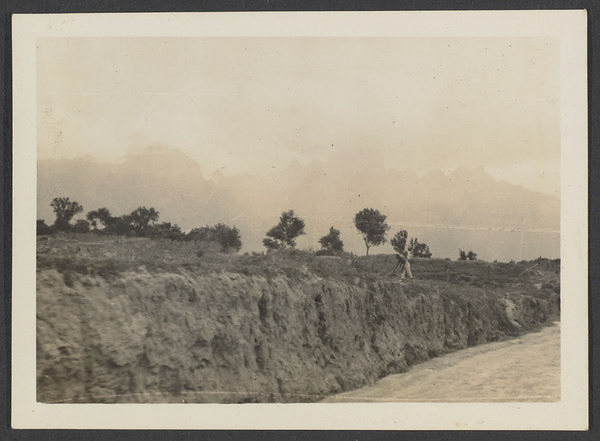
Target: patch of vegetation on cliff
[{"x": 114, "y": 255}]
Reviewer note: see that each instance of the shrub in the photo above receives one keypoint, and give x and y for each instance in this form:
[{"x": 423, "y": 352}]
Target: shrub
[
  {"x": 419, "y": 249},
  {"x": 227, "y": 237},
  {"x": 42, "y": 228},
  {"x": 119, "y": 225},
  {"x": 165, "y": 230},
  {"x": 81, "y": 226},
  {"x": 463, "y": 255},
  {"x": 331, "y": 243}
]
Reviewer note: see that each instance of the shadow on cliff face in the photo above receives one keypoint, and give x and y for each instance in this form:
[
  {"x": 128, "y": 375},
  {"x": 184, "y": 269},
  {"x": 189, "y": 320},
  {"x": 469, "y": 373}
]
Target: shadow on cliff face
[{"x": 285, "y": 327}]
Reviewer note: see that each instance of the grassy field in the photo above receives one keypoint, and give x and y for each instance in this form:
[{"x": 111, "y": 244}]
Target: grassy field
[{"x": 112, "y": 255}]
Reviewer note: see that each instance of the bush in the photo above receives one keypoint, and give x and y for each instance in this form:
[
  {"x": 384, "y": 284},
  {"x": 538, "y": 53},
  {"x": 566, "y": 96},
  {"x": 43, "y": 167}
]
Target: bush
[
  {"x": 227, "y": 237},
  {"x": 419, "y": 249},
  {"x": 81, "y": 226},
  {"x": 165, "y": 230},
  {"x": 42, "y": 228},
  {"x": 119, "y": 225},
  {"x": 463, "y": 255},
  {"x": 331, "y": 244}
]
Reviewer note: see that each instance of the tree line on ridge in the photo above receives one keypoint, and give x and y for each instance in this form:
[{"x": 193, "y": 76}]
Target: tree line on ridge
[{"x": 143, "y": 222}]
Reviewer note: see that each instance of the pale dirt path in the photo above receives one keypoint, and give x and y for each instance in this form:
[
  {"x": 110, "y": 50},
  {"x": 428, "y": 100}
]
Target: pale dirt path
[{"x": 523, "y": 369}]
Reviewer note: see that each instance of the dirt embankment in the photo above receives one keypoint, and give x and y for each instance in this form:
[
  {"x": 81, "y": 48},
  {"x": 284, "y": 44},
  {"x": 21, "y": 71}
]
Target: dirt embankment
[
  {"x": 523, "y": 369},
  {"x": 185, "y": 335}
]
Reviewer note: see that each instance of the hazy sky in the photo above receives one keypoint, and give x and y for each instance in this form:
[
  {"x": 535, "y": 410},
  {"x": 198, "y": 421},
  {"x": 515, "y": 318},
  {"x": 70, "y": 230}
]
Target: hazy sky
[{"x": 252, "y": 104}]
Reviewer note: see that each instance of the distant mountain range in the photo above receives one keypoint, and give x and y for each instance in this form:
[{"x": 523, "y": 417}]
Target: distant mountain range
[{"x": 466, "y": 209}]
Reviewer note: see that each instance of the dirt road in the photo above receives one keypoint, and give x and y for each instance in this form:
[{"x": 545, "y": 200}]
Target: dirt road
[{"x": 525, "y": 369}]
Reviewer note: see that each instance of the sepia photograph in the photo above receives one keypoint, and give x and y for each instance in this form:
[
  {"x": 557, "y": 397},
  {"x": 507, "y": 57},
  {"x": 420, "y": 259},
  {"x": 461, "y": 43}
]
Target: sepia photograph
[{"x": 254, "y": 220}]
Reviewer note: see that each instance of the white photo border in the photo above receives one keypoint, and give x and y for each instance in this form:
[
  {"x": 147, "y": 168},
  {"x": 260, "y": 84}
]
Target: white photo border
[{"x": 570, "y": 413}]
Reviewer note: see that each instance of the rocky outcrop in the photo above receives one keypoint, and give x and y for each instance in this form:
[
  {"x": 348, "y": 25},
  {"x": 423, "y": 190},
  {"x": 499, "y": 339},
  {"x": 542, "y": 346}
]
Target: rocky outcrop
[{"x": 181, "y": 336}]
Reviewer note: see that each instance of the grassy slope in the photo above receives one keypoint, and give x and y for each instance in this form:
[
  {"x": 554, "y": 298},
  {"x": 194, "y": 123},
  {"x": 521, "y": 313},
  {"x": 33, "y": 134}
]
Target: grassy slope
[{"x": 112, "y": 255}]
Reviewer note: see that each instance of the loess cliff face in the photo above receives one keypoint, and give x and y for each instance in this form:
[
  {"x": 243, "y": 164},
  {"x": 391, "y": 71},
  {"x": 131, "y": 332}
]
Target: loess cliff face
[{"x": 182, "y": 336}]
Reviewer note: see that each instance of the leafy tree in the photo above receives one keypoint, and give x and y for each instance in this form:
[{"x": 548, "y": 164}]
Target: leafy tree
[
  {"x": 422, "y": 250},
  {"x": 331, "y": 243},
  {"x": 201, "y": 234},
  {"x": 65, "y": 209},
  {"x": 119, "y": 225},
  {"x": 399, "y": 241},
  {"x": 141, "y": 218},
  {"x": 284, "y": 234},
  {"x": 165, "y": 230},
  {"x": 419, "y": 249},
  {"x": 463, "y": 255},
  {"x": 42, "y": 228},
  {"x": 101, "y": 215},
  {"x": 372, "y": 226},
  {"x": 81, "y": 226},
  {"x": 228, "y": 237}
]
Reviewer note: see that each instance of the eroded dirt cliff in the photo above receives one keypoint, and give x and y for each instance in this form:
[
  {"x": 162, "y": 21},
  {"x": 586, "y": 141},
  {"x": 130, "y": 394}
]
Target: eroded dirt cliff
[{"x": 184, "y": 335}]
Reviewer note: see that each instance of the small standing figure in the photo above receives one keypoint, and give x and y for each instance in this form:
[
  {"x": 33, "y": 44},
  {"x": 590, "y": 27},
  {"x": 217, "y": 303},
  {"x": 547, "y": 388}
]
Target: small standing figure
[{"x": 404, "y": 265}]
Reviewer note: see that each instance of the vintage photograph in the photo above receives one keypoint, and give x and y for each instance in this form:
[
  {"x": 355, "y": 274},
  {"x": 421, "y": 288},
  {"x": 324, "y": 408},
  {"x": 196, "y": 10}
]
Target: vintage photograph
[
  {"x": 298, "y": 219},
  {"x": 287, "y": 219}
]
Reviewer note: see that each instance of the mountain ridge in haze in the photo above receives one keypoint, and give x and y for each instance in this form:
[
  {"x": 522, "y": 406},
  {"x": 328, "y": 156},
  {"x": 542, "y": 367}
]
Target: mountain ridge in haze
[{"x": 466, "y": 208}]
